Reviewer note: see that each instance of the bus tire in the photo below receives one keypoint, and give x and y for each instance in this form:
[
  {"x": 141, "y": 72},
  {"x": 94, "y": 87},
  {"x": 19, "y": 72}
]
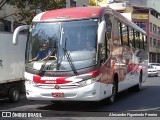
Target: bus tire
[
  {"x": 138, "y": 87},
  {"x": 112, "y": 98},
  {"x": 13, "y": 94}
]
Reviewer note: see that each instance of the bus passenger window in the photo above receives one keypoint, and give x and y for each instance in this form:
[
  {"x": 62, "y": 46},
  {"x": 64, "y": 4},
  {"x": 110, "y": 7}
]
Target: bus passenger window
[
  {"x": 108, "y": 42},
  {"x": 108, "y": 19},
  {"x": 145, "y": 42},
  {"x": 141, "y": 41},
  {"x": 131, "y": 38},
  {"x": 106, "y": 46},
  {"x": 102, "y": 53},
  {"x": 120, "y": 32},
  {"x": 105, "y": 49},
  {"x": 137, "y": 41},
  {"x": 116, "y": 37},
  {"x": 124, "y": 34}
]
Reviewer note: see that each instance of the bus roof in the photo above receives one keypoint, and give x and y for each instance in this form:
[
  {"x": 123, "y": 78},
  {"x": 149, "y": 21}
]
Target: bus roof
[{"x": 69, "y": 14}]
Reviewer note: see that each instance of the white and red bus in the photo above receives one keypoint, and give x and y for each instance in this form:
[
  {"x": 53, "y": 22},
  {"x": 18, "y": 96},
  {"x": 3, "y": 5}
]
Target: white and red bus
[{"x": 118, "y": 60}]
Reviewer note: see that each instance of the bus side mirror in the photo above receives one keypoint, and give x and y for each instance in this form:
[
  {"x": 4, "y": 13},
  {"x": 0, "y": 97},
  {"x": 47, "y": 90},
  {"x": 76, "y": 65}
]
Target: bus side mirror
[
  {"x": 16, "y": 32},
  {"x": 101, "y": 32}
]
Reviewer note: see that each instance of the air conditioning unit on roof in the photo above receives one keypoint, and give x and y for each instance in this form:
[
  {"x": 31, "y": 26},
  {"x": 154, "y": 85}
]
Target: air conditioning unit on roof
[{"x": 117, "y": 6}]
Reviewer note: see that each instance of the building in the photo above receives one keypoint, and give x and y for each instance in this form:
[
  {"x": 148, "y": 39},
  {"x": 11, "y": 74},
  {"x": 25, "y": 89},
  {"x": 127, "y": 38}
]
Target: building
[{"x": 149, "y": 3}]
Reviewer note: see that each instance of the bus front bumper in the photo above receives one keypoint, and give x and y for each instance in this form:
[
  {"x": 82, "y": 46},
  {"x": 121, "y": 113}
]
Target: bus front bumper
[{"x": 90, "y": 92}]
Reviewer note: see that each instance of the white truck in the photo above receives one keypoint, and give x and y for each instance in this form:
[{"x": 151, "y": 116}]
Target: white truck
[{"x": 12, "y": 62}]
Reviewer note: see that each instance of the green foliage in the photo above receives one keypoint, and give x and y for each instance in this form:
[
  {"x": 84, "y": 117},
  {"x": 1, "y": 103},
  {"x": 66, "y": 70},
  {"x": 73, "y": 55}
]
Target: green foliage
[{"x": 25, "y": 10}]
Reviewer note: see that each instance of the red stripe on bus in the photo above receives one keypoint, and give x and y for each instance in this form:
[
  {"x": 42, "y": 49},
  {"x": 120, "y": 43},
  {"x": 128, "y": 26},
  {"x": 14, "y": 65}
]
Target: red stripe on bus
[{"x": 61, "y": 80}]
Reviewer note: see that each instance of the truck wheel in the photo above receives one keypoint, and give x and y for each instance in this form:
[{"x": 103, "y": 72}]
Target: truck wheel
[{"x": 13, "y": 95}]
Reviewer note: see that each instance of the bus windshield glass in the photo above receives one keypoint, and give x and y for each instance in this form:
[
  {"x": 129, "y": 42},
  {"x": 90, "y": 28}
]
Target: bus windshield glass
[{"x": 62, "y": 45}]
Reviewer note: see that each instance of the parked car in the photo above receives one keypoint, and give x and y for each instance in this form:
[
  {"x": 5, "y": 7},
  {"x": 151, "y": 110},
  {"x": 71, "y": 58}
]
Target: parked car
[
  {"x": 152, "y": 71},
  {"x": 155, "y": 65}
]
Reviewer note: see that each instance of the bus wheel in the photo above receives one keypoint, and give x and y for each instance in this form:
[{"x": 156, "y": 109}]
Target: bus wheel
[
  {"x": 138, "y": 87},
  {"x": 13, "y": 95},
  {"x": 112, "y": 98}
]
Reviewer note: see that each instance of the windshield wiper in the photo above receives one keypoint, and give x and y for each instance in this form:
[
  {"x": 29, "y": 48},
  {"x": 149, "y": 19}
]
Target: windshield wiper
[
  {"x": 43, "y": 65},
  {"x": 69, "y": 59}
]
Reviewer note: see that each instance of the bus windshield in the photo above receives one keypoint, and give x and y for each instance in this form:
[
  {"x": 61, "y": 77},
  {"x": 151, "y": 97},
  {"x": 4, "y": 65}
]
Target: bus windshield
[{"x": 62, "y": 45}]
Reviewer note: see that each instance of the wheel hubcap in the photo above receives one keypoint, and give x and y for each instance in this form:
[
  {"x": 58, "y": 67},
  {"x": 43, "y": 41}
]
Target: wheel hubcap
[{"x": 16, "y": 95}]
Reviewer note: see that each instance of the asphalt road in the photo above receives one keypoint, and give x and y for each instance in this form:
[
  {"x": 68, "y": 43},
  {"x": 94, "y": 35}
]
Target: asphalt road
[{"x": 147, "y": 100}]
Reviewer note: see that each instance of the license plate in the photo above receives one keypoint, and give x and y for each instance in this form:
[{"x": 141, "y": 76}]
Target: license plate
[{"x": 58, "y": 95}]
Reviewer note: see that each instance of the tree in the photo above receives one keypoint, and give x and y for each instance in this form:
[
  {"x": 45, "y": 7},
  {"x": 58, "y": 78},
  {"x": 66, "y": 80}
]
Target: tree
[
  {"x": 25, "y": 10},
  {"x": 2, "y": 3}
]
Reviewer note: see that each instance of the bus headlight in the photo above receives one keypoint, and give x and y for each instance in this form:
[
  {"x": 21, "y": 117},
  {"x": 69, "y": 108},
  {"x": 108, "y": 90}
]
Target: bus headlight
[
  {"x": 88, "y": 78},
  {"x": 86, "y": 82}
]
